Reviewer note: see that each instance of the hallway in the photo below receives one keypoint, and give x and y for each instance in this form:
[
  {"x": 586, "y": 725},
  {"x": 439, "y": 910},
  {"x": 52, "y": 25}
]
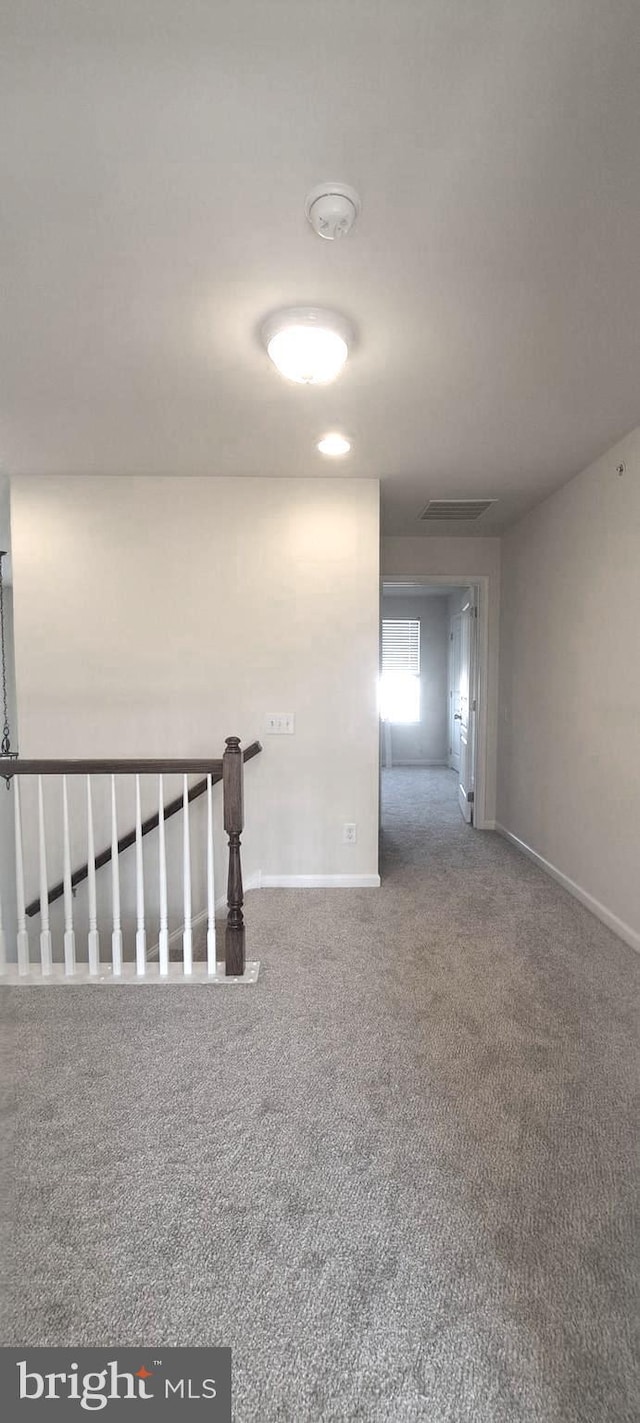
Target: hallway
[
  {"x": 420, "y": 817},
  {"x": 397, "y": 1177}
]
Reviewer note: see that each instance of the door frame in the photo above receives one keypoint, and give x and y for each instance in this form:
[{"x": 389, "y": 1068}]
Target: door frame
[
  {"x": 480, "y": 582},
  {"x": 468, "y": 728},
  {"x": 454, "y": 617}
]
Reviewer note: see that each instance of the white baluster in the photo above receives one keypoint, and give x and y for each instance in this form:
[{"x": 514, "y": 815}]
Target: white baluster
[
  {"x": 69, "y": 936},
  {"x": 211, "y": 896},
  {"x": 46, "y": 955},
  {"x": 163, "y": 937},
  {"x": 116, "y": 928},
  {"x": 94, "y": 939},
  {"x": 23, "y": 937},
  {"x": 141, "y": 934},
  {"x": 187, "y": 936}
]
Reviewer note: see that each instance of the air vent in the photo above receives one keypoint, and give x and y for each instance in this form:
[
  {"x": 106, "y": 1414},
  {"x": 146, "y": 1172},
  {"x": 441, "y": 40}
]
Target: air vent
[{"x": 456, "y": 508}]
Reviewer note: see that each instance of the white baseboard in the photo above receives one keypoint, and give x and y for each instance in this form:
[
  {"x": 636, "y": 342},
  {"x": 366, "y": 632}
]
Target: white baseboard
[
  {"x": 320, "y": 882},
  {"x": 397, "y": 762},
  {"x": 260, "y": 881},
  {"x": 618, "y": 926}
]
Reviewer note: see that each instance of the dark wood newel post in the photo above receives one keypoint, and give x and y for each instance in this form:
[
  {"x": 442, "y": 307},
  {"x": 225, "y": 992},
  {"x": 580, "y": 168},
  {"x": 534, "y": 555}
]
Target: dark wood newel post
[{"x": 232, "y": 785}]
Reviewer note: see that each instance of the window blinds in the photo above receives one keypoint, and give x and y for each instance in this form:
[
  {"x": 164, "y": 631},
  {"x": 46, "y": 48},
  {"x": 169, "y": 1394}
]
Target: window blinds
[{"x": 401, "y": 645}]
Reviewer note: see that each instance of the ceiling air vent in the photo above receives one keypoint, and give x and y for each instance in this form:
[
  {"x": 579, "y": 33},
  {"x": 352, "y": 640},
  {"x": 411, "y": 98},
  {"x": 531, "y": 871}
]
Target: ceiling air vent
[{"x": 456, "y": 508}]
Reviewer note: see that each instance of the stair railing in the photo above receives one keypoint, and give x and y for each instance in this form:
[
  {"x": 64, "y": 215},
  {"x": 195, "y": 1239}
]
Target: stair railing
[{"x": 229, "y": 770}]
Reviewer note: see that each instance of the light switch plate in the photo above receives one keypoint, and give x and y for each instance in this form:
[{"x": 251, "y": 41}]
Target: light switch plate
[{"x": 280, "y": 723}]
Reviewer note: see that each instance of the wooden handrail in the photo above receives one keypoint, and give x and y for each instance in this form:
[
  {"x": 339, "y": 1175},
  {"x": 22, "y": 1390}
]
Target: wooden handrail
[
  {"x": 14, "y": 766},
  {"x": 57, "y": 768}
]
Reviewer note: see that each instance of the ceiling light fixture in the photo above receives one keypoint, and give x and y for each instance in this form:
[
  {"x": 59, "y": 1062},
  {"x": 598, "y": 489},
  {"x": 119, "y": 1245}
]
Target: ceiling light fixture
[
  {"x": 334, "y": 445},
  {"x": 307, "y": 344}
]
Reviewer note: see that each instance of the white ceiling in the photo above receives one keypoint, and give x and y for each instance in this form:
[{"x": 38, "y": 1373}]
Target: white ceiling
[{"x": 155, "y": 160}]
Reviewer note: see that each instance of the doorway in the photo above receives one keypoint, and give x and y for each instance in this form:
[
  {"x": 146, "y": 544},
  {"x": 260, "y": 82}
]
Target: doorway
[{"x": 431, "y": 690}]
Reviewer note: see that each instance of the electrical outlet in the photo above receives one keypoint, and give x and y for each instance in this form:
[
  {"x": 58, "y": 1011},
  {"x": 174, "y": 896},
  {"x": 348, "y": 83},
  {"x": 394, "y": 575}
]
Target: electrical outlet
[
  {"x": 280, "y": 723},
  {"x": 349, "y": 834}
]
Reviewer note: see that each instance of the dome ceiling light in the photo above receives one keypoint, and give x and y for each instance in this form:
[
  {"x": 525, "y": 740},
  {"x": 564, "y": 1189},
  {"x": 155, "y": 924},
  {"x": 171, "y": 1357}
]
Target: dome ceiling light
[
  {"x": 332, "y": 209},
  {"x": 307, "y": 344},
  {"x": 334, "y": 445}
]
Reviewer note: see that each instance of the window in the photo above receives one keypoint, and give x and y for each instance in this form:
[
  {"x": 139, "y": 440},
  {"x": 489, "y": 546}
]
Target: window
[{"x": 400, "y": 670}]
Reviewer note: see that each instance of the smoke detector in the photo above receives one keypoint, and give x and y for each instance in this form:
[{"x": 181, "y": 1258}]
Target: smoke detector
[{"x": 332, "y": 209}]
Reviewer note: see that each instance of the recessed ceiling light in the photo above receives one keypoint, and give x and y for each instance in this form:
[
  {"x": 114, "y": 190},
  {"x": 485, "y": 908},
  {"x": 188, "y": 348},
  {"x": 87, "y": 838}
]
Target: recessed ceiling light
[
  {"x": 307, "y": 344},
  {"x": 334, "y": 445}
]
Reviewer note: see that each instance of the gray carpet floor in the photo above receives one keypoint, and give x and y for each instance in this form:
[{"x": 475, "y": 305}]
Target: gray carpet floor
[{"x": 398, "y": 1177}]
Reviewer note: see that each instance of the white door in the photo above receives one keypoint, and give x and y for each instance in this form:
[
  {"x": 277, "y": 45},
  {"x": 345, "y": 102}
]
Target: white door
[
  {"x": 466, "y": 786},
  {"x": 455, "y": 641}
]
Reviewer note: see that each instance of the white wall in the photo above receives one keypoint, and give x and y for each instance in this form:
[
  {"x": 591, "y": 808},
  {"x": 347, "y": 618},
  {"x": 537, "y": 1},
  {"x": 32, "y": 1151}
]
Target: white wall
[
  {"x": 155, "y": 616},
  {"x": 454, "y": 558},
  {"x": 7, "y": 578},
  {"x": 5, "y": 513},
  {"x": 569, "y": 784},
  {"x": 7, "y": 856},
  {"x": 426, "y": 741}
]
